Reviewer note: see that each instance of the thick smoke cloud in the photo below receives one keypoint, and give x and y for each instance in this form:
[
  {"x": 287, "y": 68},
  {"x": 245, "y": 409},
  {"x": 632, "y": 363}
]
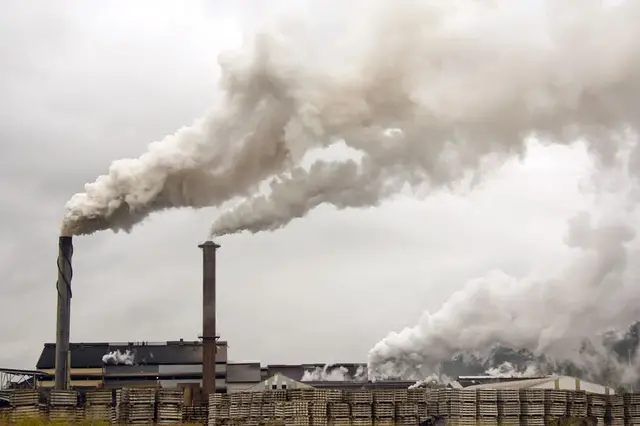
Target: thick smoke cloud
[
  {"x": 457, "y": 80},
  {"x": 427, "y": 92},
  {"x": 117, "y": 357},
  {"x": 559, "y": 315},
  {"x": 334, "y": 373}
]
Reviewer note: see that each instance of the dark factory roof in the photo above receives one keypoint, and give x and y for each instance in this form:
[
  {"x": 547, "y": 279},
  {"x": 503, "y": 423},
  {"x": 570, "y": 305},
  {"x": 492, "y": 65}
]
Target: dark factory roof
[{"x": 89, "y": 355}]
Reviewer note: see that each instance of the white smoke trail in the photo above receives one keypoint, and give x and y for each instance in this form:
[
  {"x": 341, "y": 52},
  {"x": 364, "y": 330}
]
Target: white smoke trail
[
  {"x": 507, "y": 369},
  {"x": 117, "y": 357},
  {"x": 325, "y": 373},
  {"x": 334, "y": 373},
  {"x": 549, "y": 314},
  {"x": 459, "y": 84},
  {"x": 426, "y": 91},
  {"x": 460, "y": 79}
]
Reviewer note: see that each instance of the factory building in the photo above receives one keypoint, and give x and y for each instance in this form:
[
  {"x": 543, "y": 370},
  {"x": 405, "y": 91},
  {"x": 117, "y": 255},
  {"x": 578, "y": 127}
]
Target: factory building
[
  {"x": 179, "y": 364},
  {"x": 551, "y": 382},
  {"x": 165, "y": 364}
]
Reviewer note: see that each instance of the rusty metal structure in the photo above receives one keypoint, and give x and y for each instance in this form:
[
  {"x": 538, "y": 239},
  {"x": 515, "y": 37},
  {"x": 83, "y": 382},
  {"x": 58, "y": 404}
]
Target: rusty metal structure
[
  {"x": 63, "y": 319},
  {"x": 209, "y": 336}
]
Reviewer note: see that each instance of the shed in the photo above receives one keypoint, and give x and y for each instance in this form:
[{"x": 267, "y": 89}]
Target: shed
[{"x": 551, "y": 382}]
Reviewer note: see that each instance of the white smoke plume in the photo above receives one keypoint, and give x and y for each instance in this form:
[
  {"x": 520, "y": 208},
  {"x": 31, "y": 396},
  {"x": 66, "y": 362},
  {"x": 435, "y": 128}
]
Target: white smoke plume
[
  {"x": 119, "y": 358},
  {"x": 507, "y": 369},
  {"x": 457, "y": 80},
  {"x": 549, "y": 313},
  {"x": 427, "y": 91},
  {"x": 430, "y": 381},
  {"x": 334, "y": 373}
]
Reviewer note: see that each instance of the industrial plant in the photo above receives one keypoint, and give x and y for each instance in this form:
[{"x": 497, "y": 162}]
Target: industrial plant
[
  {"x": 202, "y": 367},
  {"x": 194, "y": 381}
]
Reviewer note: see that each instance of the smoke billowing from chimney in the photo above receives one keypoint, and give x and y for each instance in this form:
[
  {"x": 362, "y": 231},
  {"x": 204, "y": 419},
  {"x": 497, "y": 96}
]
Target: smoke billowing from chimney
[
  {"x": 456, "y": 80},
  {"x": 425, "y": 91},
  {"x": 549, "y": 313},
  {"x": 334, "y": 373}
]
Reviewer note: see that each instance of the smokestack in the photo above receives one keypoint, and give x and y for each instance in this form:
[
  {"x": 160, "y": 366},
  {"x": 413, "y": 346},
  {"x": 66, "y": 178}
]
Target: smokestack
[
  {"x": 209, "y": 316},
  {"x": 65, "y": 252}
]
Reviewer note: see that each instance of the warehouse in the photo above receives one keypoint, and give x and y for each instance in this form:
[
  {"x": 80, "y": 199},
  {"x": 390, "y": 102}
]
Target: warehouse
[{"x": 551, "y": 382}]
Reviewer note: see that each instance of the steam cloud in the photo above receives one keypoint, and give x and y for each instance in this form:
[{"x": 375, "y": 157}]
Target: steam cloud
[
  {"x": 334, "y": 373},
  {"x": 507, "y": 369},
  {"x": 426, "y": 91},
  {"x": 549, "y": 315},
  {"x": 119, "y": 358}
]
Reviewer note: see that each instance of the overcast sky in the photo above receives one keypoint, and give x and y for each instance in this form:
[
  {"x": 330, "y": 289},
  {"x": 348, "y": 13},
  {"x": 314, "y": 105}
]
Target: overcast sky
[{"x": 84, "y": 83}]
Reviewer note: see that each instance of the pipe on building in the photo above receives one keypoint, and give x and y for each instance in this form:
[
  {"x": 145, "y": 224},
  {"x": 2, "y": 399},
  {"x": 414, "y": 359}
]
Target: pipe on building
[
  {"x": 209, "y": 317},
  {"x": 63, "y": 320}
]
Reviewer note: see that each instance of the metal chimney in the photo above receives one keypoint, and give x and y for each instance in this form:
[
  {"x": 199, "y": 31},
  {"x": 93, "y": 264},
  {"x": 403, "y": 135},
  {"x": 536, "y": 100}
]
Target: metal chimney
[
  {"x": 209, "y": 317},
  {"x": 63, "y": 320}
]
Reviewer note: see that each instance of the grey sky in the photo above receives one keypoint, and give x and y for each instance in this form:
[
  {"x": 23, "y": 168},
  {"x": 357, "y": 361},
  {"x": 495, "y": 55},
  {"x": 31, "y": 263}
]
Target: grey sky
[{"x": 85, "y": 83}]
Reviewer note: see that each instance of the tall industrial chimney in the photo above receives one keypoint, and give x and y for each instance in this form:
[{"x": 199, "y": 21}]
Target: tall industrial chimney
[
  {"x": 63, "y": 321},
  {"x": 209, "y": 316}
]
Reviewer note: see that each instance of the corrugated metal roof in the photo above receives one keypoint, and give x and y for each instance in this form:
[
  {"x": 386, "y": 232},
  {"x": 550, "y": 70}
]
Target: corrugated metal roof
[
  {"x": 516, "y": 384},
  {"x": 366, "y": 385},
  {"x": 15, "y": 371}
]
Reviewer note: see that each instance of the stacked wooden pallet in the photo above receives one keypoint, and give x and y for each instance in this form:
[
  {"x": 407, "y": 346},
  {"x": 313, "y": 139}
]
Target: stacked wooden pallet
[
  {"x": 319, "y": 408},
  {"x": 215, "y": 414},
  {"x": 240, "y": 407},
  {"x": 297, "y": 412},
  {"x": 169, "y": 406},
  {"x": 25, "y": 405},
  {"x": 555, "y": 404},
  {"x": 508, "y": 407},
  {"x": 142, "y": 404},
  {"x": 463, "y": 406},
  {"x": 577, "y": 404},
  {"x": 121, "y": 410},
  {"x": 632, "y": 409},
  {"x": 487, "y": 407},
  {"x": 195, "y": 414},
  {"x": 615, "y": 410},
  {"x": 63, "y": 407},
  {"x": 419, "y": 397},
  {"x": 384, "y": 409},
  {"x": 432, "y": 402},
  {"x": 361, "y": 402},
  {"x": 99, "y": 405},
  {"x": 532, "y": 407},
  {"x": 597, "y": 407},
  {"x": 255, "y": 408},
  {"x": 339, "y": 413},
  {"x": 272, "y": 408}
]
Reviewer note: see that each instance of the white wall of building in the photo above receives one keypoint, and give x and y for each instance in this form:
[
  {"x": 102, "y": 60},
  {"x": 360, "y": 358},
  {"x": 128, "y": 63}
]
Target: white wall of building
[{"x": 571, "y": 383}]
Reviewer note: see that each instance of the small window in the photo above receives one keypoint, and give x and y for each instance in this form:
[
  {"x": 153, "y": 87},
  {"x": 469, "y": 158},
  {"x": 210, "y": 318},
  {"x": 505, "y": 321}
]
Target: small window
[
  {"x": 274, "y": 387},
  {"x": 284, "y": 386}
]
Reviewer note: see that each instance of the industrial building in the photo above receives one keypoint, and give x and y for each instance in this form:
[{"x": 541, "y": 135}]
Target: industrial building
[
  {"x": 179, "y": 364},
  {"x": 200, "y": 366},
  {"x": 551, "y": 382}
]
